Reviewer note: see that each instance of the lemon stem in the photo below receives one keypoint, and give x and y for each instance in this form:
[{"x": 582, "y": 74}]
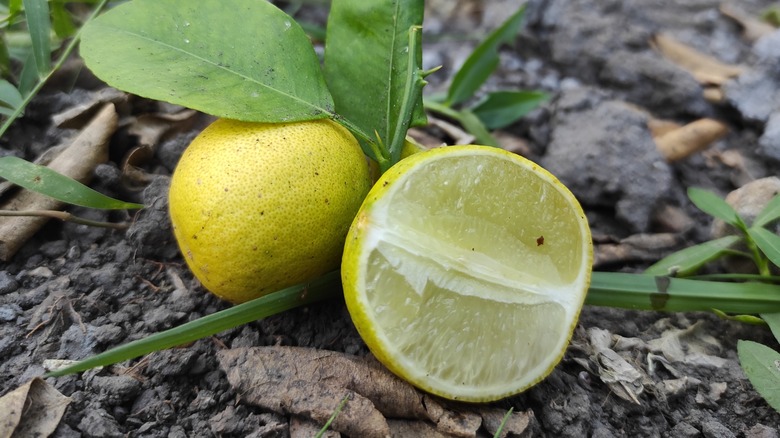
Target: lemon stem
[{"x": 412, "y": 90}]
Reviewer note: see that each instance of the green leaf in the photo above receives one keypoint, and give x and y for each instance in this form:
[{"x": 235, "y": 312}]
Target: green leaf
[
  {"x": 367, "y": 54},
  {"x": 239, "y": 59},
  {"x": 770, "y": 213},
  {"x": 43, "y": 180},
  {"x": 28, "y": 78},
  {"x": 768, "y": 242},
  {"x": 61, "y": 21},
  {"x": 9, "y": 95},
  {"x": 502, "y": 108},
  {"x": 483, "y": 61},
  {"x": 762, "y": 367},
  {"x": 773, "y": 321},
  {"x": 687, "y": 261},
  {"x": 711, "y": 204},
  {"x": 37, "y": 14}
]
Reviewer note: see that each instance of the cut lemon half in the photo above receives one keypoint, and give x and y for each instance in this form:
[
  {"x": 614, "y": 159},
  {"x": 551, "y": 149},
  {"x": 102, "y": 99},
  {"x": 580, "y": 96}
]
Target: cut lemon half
[{"x": 465, "y": 271}]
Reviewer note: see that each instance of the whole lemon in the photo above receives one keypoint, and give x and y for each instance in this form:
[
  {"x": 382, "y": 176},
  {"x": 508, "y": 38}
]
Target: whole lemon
[{"x": 258, "y": 207}]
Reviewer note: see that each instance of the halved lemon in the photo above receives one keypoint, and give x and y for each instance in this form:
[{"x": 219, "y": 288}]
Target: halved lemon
[{"x": 465, "y": 271}]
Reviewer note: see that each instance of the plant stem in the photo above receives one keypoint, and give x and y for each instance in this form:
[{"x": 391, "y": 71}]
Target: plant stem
[
  {"x": 42, "y": 81},
  {"x": 65, "y": 216}
]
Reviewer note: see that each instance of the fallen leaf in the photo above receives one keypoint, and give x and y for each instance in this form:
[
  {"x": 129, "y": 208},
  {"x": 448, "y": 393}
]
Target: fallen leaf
[
  {"x": 42, "y": 405},
  {"x": 311, "y": 383},
  {"x": 692, "y": 345}
]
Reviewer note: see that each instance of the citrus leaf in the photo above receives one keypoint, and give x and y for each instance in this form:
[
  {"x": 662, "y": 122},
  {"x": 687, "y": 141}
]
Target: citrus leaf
[
  {"x": 37, "y": 14},
  {"x": 711, "y": 204},
  {"x": 762, "y": 367},
  {"x": 482, "y": 61},
  {"x": 773, "y": 321},
  {"x": 43, "y": 180},
  {"x": 502, "y": 108},
  {"x": 367, "y": 64},
  {"x": 770, "y": 213},
  {"x": 239, "y": 59},
  {"x": 768, "y": 242},
  {"x": 687, "y": 261}
]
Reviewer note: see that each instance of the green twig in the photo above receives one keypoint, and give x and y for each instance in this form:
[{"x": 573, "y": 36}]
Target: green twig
[
  {"x": 42, "y": 81},
  {"x": 412, "y": 91}
]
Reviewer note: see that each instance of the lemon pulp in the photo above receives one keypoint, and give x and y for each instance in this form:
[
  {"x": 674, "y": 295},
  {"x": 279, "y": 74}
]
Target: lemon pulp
[{"x": 465, "y": 270}]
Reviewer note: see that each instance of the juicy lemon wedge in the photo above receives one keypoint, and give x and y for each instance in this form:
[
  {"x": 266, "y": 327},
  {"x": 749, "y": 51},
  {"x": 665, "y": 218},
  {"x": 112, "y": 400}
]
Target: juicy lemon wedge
[{"x": 465, "y": 271}]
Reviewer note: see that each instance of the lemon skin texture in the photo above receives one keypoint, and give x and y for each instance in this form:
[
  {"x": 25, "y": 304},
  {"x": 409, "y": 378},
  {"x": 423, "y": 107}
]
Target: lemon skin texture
[{"x": 258, "y": 207}]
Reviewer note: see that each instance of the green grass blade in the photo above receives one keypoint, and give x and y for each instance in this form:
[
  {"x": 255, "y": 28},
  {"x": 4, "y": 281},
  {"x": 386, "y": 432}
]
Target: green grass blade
[
  {"x": 760, "y": 365},
  {"x": 768, "y": 242},
  {"x": 483, "y": 60},
  {"x": 322, "y": 288},
  {"x": 687, "y": 261},
  {"x": 43, "y": 180},
  {"x": 39, "y": 25},
  {"x": 335, "y": 414},
  {"x": 647, "y": 292},
  {"x": 770, "y": 213},
  {"x": 711, "y": 204}
]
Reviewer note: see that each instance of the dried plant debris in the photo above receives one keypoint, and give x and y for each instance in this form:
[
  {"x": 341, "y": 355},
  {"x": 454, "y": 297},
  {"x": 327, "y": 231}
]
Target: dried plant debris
[
  {"x": 33, "y": 409},
  {"x": 78, "y": 161},
  {"x": 312, "y": 383},
  {"x": 705, "y": 68},
  {"x": 753, "y": 28},
  {"x": 689, "y": 139}
]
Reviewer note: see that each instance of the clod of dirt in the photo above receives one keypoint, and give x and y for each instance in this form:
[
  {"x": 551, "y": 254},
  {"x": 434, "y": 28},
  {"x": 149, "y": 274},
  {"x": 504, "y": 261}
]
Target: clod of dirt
[{"x": 600, "y": 149}]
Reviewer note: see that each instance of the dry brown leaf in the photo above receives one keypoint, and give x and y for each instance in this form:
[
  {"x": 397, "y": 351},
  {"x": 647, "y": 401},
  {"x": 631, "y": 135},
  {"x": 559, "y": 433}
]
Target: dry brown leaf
[
  {"x": 80, "y": 115},
  {"x": 519, "y": 424},
  {"x": 78, "y": 161},
  {"x": 303, "y": 428},
  {"x": 752, "y": 27},
  {"x": 706, "y": 69},
  {"x": 689, "y": 139},
  {"x": 41, "y": 404},
  {"x": 693, "y": 345}
]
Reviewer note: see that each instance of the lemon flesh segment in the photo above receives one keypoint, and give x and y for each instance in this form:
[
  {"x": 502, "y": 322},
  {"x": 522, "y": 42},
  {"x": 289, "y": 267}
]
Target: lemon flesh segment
[{"x": 465, "y": 271}]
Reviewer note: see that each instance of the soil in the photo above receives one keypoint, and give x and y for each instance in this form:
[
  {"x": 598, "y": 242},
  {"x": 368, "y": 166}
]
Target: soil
[{"x": 73, "y": 291}]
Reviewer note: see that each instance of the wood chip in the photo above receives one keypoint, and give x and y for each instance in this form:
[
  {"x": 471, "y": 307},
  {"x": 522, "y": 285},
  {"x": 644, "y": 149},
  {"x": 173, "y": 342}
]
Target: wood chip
[
  {"x": 705, "y": 68},
  {"x": 687, "y": 140}
]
